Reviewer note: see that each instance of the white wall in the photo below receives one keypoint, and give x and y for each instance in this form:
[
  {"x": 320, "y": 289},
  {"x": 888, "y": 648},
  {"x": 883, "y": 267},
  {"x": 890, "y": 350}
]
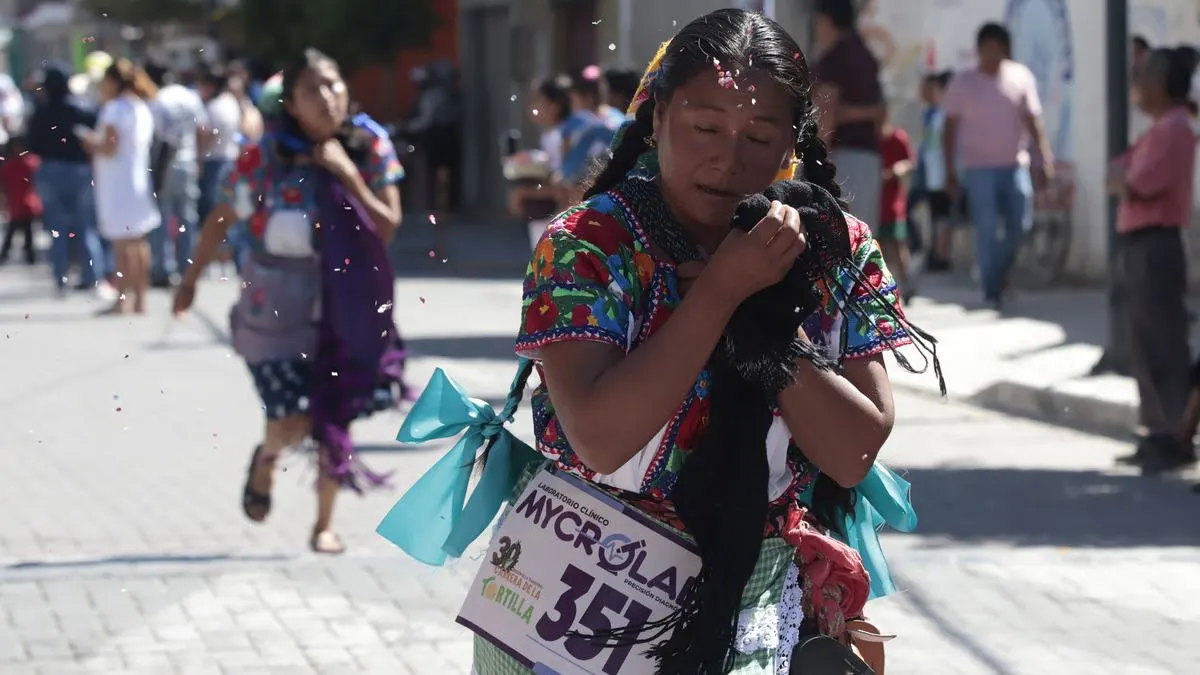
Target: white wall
[{"x": 912, "y": 37}]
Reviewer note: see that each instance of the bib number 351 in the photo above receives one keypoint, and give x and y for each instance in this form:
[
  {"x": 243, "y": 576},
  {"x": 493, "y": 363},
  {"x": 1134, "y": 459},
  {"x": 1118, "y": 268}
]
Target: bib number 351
[{"x": 605, "y": 604}]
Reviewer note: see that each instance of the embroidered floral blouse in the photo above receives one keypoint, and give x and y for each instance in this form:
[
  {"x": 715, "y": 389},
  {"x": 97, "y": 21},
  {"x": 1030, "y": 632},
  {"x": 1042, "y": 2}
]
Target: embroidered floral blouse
[
  {"x": 260, "y": 178},
  {"x": 593, "y": 278}
]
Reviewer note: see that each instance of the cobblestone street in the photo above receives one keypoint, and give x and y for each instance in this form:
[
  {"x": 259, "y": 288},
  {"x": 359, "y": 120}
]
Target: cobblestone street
[{"x": 123, "y": 548}]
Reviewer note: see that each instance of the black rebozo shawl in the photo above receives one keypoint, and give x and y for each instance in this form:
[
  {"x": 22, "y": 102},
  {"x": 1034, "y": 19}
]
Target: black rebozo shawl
[{"x": 721, "y": 495}]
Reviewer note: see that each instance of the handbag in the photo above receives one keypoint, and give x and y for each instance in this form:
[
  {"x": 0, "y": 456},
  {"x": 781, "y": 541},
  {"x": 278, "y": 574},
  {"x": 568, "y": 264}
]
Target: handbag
[
  {"x": 823, "y": 655},
  {"x": 860, "y": 652}
]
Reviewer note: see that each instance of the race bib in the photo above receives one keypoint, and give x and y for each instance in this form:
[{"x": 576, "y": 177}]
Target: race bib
[{"x": 567, "y": 559}]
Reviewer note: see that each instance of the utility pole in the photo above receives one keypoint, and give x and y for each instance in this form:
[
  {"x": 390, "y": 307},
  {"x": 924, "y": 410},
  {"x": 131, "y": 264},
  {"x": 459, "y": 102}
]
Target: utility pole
[{"x": 1116, "y": 354}]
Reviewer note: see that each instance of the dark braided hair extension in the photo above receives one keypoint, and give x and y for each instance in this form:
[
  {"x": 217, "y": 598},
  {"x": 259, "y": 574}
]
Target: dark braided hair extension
[
  {"x": 630, "y": 148},
  {"x": 511, "y": 402},
  {"x": 815, "y": 162},
  {"x": 831, "y": 502}
]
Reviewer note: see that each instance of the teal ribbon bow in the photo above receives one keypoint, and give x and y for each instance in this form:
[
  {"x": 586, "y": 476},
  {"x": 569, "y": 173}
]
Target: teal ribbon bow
[
  {"x": 430, "y": 522},
  {"x": 882, "y": 498}
]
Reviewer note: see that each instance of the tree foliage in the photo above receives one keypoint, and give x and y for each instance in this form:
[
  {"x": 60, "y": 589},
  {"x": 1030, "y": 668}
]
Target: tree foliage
[
  {"x": 148, "y": 12},
  {"x": 355, "y": 32}
]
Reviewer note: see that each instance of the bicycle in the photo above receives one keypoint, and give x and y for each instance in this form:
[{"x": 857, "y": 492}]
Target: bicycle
[{"x": 1042, "y": 260}]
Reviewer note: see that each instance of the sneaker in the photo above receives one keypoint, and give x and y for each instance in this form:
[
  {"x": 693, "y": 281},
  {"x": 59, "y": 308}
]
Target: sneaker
[
  {"x": 1163, "y": 454},
  {"x": 104, "y": 291},
  {"x": 933, "y": 264}
]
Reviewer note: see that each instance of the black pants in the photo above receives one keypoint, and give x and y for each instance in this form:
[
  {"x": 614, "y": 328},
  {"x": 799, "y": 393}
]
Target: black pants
[
  {"x": 1154, "y": 272},
  {"x": 25, "y": 227}
]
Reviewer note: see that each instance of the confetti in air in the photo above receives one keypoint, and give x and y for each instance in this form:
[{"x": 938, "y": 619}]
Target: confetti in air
[{"x": 724, "y": 77}]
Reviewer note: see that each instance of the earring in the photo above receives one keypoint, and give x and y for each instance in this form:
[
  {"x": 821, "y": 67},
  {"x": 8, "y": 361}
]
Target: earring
[{"x": 650, "y": 141}]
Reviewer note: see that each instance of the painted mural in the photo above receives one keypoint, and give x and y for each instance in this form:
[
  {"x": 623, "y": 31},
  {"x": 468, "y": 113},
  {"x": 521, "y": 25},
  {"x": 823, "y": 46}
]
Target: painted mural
[{"x": 1041, "y": 31}]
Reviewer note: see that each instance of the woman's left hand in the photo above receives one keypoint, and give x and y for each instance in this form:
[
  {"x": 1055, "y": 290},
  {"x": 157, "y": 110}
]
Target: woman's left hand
[{"x": 331, "y": 156}]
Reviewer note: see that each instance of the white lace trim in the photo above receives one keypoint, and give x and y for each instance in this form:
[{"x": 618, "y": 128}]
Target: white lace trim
[
  {"x": 758, "y": 628},
  {"x": 791, "y": 615},
  {"x": 775, "y": 627}
]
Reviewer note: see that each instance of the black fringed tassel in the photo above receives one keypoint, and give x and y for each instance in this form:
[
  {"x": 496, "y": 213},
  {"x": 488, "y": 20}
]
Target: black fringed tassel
[{"x": 722, "y": 498}]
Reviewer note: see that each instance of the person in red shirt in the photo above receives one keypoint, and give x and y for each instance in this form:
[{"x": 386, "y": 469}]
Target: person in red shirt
[
  {"x": 23, "y": 206},
  {"x": 892, "y": 230},
  {"x": 1153, "y": 181}
]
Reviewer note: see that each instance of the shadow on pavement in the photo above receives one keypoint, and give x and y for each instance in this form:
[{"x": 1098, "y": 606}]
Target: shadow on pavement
[
  {"x": 1053, "y": 508},
  {"x": 1080, "y": 311},
  {"x": 492, "y": 347},
  {"x": 139, "y": 560},
  {"x": 468, "y": 248}
]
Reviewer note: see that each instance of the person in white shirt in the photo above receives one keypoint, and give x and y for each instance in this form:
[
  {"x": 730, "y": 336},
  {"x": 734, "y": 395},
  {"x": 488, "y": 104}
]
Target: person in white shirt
[
  {"x": 12, "y": 109},
  {"x": 222, "y": 144},
  {"x": 180, "y": 120},
  {"x": 125, "y": 207}
]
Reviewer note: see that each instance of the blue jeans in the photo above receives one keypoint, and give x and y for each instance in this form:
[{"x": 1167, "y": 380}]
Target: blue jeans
[
  {"x": 213, "y": 175},
  {"x": 178, "y": 200},
  {"x": 994, "y": 195},
  {"x": 70, "y": 210}
]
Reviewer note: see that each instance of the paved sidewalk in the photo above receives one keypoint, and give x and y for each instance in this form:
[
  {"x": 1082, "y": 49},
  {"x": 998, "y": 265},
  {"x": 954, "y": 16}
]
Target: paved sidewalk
[
  {"x": 1033, "y": 359},
  {"x": 122, "y": 549}
]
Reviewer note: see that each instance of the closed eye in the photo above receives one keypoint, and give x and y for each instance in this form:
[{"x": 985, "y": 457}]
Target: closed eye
[{"x": 705, "y": 130}]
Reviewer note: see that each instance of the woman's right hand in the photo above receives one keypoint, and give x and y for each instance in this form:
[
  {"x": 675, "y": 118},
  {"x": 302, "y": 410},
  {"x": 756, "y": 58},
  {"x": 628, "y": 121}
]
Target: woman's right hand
[
  {"x": 185, "y": 295},
  {"x": 747, "y": 262}
]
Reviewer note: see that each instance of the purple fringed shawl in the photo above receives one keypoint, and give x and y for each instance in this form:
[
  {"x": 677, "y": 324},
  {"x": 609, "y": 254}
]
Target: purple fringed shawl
[{"x": 358, "y": 347}]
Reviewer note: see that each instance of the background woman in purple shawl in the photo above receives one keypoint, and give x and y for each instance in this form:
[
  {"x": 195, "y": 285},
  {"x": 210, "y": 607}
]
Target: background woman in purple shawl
[{"x": 316, "y": 159}]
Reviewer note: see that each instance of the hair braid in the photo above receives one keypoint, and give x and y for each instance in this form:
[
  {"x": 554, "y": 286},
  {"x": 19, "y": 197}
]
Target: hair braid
[
  {"x": 814, "y": 159},
  {"x": 625, "y": 155}
]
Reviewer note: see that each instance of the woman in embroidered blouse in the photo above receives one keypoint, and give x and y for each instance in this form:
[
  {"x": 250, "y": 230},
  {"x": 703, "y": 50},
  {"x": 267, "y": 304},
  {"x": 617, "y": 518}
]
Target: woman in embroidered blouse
[
  {"x": 620, "y": 332},
  {"x": 277, "y": 188}
]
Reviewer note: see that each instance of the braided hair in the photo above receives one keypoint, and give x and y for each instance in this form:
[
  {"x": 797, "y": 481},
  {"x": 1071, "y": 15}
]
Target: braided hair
[
  {"x": 736, "y": 36},
  {"x": 743, "y": 41}
]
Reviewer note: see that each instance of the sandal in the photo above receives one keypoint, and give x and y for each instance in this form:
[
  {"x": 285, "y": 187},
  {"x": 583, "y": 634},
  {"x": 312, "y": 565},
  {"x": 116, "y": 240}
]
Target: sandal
[
  {"x": 256, "y": 505},
  {"x": 327, "y": 542}
]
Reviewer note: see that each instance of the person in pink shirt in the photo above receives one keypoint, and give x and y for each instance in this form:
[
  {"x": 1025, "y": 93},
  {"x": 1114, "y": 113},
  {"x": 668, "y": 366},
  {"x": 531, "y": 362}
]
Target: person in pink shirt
[
  {"x": 1154, "y": 183},
  {"x": 991, "y": 113}
]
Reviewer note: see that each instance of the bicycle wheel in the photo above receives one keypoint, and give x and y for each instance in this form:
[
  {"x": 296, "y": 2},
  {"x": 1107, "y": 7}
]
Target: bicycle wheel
[{"x": 1043, "y": 257}]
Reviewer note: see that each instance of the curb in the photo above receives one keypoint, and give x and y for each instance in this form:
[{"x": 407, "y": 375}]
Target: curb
[{"x": 1048, "y": 405}]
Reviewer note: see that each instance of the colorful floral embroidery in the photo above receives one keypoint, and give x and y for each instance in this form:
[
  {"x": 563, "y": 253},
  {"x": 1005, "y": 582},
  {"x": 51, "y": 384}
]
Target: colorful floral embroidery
[
  {"x": 271, "y": 185},
  {"x": 593, "y": 278}
]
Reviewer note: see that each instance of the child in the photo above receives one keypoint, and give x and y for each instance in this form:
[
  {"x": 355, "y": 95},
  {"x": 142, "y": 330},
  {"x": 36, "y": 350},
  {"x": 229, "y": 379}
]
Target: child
[
  {"x": 892, "y": 231},
  {"x": 16, "y": 177},
  {"x": 931, "y": 169}
]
